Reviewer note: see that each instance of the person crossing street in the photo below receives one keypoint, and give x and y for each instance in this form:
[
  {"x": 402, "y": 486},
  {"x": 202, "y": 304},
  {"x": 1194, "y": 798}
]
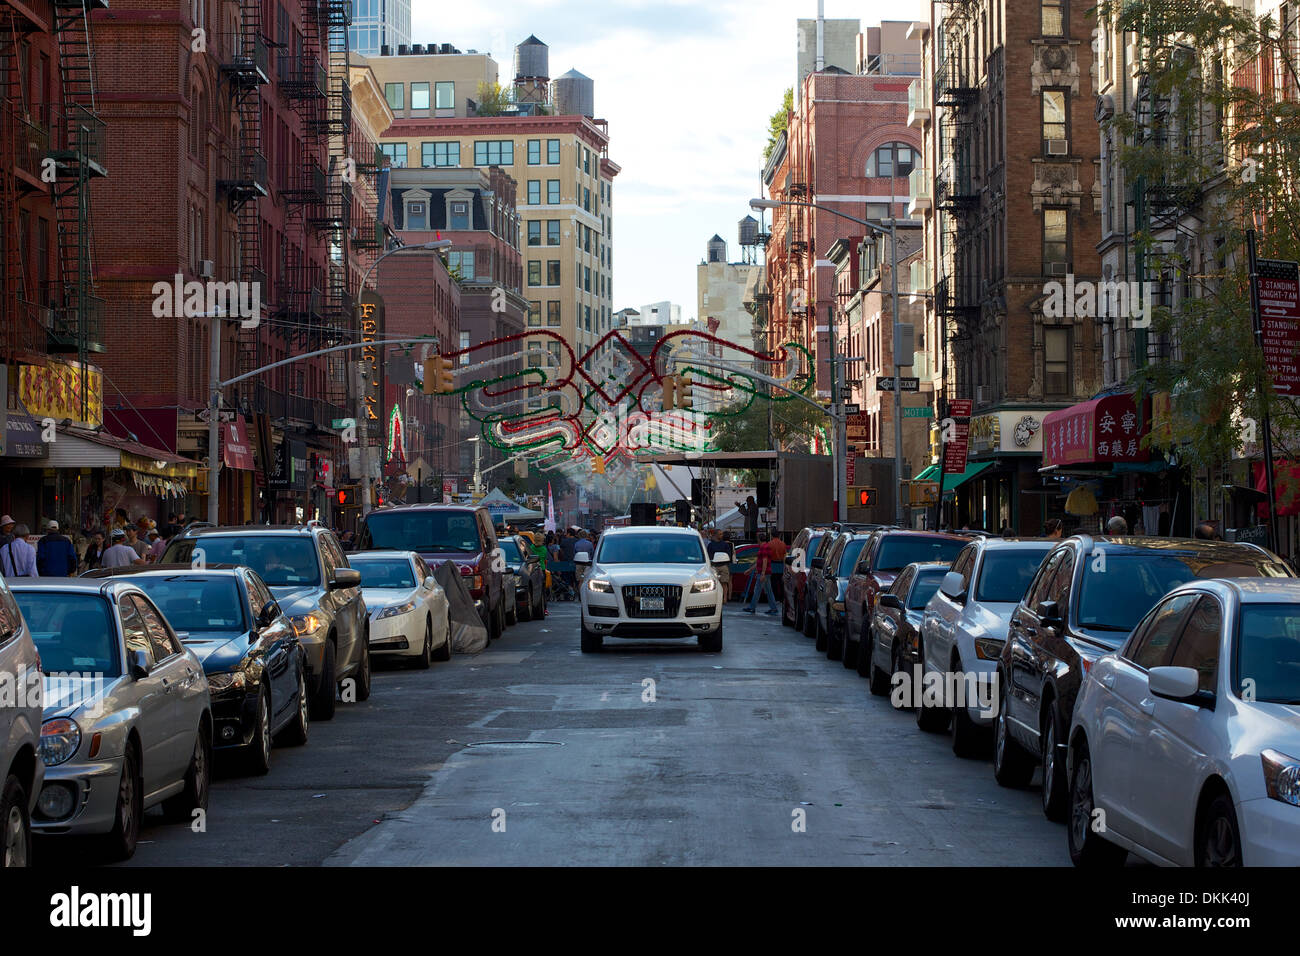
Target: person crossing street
[{"x": 763, "y": 576}]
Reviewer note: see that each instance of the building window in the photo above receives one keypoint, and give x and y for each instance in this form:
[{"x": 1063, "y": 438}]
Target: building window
[
  {"x": 1054, "y": 117},
  {"x": 444, "y": 95},
  {"x": 586, "y": 317},
  {"x": 552, "y": 191},
  {"x": 552, "y": 313},
  {"x": 586, "y": 199},
  {"x": 890, "y": 161},
  {"x": 395, "y": 93},
  {"x": 1056, "y": 242},
  {"x": 419, "y": 96},
  {"x": 534, "y": 272},
  {"x": 417, "y": 215},
  {"x": 494, "y": 152},
  {"x": 552, "y": 152},
  {"x": 462, "y": 262},
  {"x": 535, "y": 232},
  {"x": 1056, "y": 362},
  {"x": 1053, "y": 22},
  {"x": 552, "y": 232},
  {"x": 534, "y": 192},
  {"x": 553, "y": 272},
  {"x": 534, "y": 313},
  {"x": 586, "y": 161},
  {"x": 396, "y": 153},
  {"x": 464, "y": 344},
  {"x": 534, "y": 152},
  {"x": 439, "y": 154}
]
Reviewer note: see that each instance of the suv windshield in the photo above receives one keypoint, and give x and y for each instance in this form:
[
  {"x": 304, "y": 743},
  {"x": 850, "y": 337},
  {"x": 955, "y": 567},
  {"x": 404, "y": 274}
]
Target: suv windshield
[
  {"x": 1006, "y": 573},
  {"x": 282, "y": 560},
  {"x": 193, "y": 603},
  {"x": 384, "y": 572},
  {"x": 1268, "y": 652},
  {"x": 73, "y": 632},
  {"x": 1120, "y": 588},
  {"x": 651, "y": 549},
  {"x": 424, "y": 531},
  {"x": 898, "y": 551},
  {"x": 927, "y": 583}
]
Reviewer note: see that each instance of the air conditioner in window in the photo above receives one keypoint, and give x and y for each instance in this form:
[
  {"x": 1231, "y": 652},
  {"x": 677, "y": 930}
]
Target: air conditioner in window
[
  {"x": 983, "y": 394},
  {"x": 207, "y": 269},
  {"x": 1058, "y": 147},
  {"x": 1058, "y": 268}
]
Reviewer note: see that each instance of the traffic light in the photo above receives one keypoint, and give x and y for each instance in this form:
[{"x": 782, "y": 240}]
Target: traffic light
[
  {"x": 438, "y": 378},
  {"x": 862, "y": 497},
  {"x": 670, "y": 392},
  {"x": 684, "y": 392},
  {"x": 343, "y": 497}
]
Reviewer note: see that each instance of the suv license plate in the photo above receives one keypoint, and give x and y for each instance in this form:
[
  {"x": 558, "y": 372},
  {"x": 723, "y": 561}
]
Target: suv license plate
[{"x": 652, "y": 604}]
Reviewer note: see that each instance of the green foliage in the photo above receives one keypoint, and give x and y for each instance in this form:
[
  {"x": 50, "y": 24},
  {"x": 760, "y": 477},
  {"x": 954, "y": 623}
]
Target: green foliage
[
  {"x": 794, "y": 424},
  {"x": 492, "y": 99},
  {"x": 778, "y": 123}
]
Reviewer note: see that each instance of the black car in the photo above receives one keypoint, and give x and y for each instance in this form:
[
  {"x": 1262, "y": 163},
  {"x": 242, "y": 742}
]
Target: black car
[
  {"x": 813, "y": 583},
  {"x": 896, "y": 626},
  {"x": 306, "y": 570},
  {"x": 523, "y": 564},
  {"x": 794, "y": 576},
  {"x": 840, "y": 562},
  {"x": 1087, "y": 596},
  {"x": 255, "y": 666}
]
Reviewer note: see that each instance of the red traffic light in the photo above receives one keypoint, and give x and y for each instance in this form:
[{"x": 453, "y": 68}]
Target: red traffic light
[
  {"x": 866, "y": 497},
  {"x": 343, "y": 497}
]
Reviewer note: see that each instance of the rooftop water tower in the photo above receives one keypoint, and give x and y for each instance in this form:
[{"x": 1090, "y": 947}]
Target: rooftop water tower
[
  {"x": 574, "y": 94},
  {"x": 532, "y": 71}
]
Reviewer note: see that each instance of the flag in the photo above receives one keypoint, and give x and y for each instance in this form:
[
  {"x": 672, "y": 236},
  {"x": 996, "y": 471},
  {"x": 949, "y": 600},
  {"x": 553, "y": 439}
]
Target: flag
[{"x": 550, "y": 510}]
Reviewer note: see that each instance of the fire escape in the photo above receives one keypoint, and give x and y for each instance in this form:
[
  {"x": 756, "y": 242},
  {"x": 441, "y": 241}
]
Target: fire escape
[{"x": 956, "y": 197}]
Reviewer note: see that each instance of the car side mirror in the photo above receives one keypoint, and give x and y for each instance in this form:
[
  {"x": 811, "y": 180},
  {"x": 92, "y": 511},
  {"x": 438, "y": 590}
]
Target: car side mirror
[
  {"x": 1179, "y": 683},
  {"x": 818, "y": 563},
  {"x": 430, "y": 581},
  {"x": 891, "y": 600},
  {"x": 345, "y": 578},
  {"x": 139, "y": 664},
  {"x": 270, "y": 611},
  {"x": 951, "y": 586},
  {"x": 1049, "y": 613},
  {"x": 721, "y": 558},
  {"x": 862, "y": 568}
]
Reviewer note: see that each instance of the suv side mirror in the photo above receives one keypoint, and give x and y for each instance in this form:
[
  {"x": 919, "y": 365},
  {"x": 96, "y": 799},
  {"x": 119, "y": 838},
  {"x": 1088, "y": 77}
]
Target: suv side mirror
[
  {"x": 862, "y": 568},
  {"x": 138, "y": 662},
  {"x": 951, "y": 586},
  {"x": 818, "y": 563},
  {"x": 430, "y": 581},
  {"x": 345, "y": 578},
  {"x": 270, "y": 611},
  {"x": 1049, "y": 613},
  {"x": 891, "y": 600}
]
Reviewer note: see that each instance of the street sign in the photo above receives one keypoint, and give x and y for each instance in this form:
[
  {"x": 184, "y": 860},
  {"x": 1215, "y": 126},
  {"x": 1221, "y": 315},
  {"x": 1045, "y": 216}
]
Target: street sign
[
  {"x": 1278, "y": 289},
  {"x": 886, "y": 384},
  {"x": 925, "y": 411},
  {"x": 955, "y": 449},
  {"x": 858, "y": 427},
  {"x": 852, "y": 409}
]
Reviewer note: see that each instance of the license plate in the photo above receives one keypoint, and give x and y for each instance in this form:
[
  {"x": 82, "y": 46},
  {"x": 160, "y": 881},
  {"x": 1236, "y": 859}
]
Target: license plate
[{"x": 652, "y": 604}]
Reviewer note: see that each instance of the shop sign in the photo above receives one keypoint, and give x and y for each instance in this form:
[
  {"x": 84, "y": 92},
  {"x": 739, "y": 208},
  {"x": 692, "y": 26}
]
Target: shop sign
[{"x": 58, "y": 390}]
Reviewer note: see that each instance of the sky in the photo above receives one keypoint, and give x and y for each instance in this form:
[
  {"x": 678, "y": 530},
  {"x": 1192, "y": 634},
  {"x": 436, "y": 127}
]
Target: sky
[{"x": 687, "y": 88}]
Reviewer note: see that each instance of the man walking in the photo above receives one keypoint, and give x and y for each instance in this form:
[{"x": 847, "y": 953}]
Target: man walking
[
  {"x": 121, "y": 554},
  {"x": 18, "y": 558},
  {"x": 6, "y": 530},
  {"x": 763, "y": 579},
  {"x": 55, "y": 555}
]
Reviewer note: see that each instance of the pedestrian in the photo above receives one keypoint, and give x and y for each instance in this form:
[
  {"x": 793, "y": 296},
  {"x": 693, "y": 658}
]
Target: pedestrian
[
  {"x": 763, "y": 572},
  {"x": 120, "y": 554},
  {"x": 720, "y": 545},
  {"x": 1053, "y": 528},
  {"x": 94, "y": 549},
  {"x": 6, "y": 530},
  {"x": 750, "y": 510},
  {"x": 18, "y": 558},
  {"x": 1117, "y": 525},
  {"x": 1006, "y": 531},
  {"x": 156, "y": 546},
  {"x": 779, "y": 552},
  {"x": 1206, "y": 531},
  {"x": 55, "y": 555}
]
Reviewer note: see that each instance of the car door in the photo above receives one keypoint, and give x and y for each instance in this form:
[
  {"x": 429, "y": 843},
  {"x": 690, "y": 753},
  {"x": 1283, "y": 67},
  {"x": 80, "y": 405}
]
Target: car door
[
  {"x": 151, "y": 696},
  {"x": 1175, "y": 738},
  {"x": 267, "y": 643},
  {"x": 1024, "y": 677},
  {"x": 1053, "y": 654},
  {"x": 349, "y": 609},
  {"x": 943, "y": 615},
  {"x": 889, "y": 621},
  {"x": 179, "y": 675},
  {"x": 826, "y": 583}
]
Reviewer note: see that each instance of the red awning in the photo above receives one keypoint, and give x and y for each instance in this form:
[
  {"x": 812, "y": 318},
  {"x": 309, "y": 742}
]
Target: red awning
[
  {"x": 1286, "y": 483},
  {"x": 1102, "y": 431},
  {"x": 236, "y": 451}
]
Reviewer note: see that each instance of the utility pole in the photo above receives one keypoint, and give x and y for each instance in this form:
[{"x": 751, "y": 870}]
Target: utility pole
[
  {"x": 363, "y": 436},
  {"x": 214, "y": 415},
  {"x": 898, "y": 369}
]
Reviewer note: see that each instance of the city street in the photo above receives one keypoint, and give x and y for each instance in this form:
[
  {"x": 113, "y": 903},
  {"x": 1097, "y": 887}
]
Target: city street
[{"x": 711, "y": 772}]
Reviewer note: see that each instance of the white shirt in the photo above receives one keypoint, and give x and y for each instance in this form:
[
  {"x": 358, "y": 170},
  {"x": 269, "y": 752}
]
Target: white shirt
[{"x": 119, "y": 556}]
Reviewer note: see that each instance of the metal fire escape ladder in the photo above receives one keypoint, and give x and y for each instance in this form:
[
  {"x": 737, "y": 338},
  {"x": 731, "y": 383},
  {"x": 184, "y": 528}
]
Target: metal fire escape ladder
[{"x": 13, "y": 274}]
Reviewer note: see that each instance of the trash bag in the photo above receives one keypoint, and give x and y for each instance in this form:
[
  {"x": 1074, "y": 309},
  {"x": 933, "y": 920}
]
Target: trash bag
[{"x": 468, "y": 634}]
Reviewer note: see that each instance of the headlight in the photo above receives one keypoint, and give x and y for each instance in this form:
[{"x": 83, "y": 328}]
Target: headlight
[
  {"x": 1281, "y": 776},
  {"x": 699, "y": 587},
  {"x": 601, "y": 586},
  {"x": 393, "y": 610},
  {"x": 60, "y": 739},
  {"x": 306, "y": 624},
  {"x": 219, "y": 683},
  {"x": 987, "y": 649}
]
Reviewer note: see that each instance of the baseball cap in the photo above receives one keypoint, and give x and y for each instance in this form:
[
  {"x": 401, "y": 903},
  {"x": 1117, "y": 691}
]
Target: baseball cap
[
  {"x": 117, "y": 533},
  {"x": 5, "y": 519},
  {"x": 52, "y": 525}
]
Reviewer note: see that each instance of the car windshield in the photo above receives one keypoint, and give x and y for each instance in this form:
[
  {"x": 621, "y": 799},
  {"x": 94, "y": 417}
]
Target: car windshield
[
  {"x": 509, "y": 549},
  {"x": 927, "y": 582},
  {"x": 1119, "y": 588},
  {"x": 73, "y": 632},
  {"x": 1006, "y": 573},
  {"x": 849, "y": 557},
  {"x": 282, "y": 560},
  {"x": 424, "y": 531},
  {"x": 1268, "y": 653},
  {"x": 650, "y": 549},
  {"x": 194, "y": 602},
  {"x": 898, "y": 551},
  {"x": 383, "y": 573}
]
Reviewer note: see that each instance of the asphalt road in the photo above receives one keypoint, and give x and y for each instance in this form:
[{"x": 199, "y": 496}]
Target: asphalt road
[{"x": 532, "y": 753}]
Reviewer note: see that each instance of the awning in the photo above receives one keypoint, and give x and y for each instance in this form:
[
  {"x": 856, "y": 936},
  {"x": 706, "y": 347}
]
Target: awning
[
  {"x": 929, "y": 474},
  {"x": 20, "y": 434},
  {"x": 953, "y": 482},
  {"x": 236, "y": 450},
  {"x": 1104, "y": 430}
]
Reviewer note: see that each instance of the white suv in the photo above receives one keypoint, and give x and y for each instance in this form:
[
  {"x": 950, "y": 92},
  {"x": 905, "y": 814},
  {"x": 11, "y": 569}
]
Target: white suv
[
  {"x": 651, "y": 582},
  {"x": 21, "y": 766}
]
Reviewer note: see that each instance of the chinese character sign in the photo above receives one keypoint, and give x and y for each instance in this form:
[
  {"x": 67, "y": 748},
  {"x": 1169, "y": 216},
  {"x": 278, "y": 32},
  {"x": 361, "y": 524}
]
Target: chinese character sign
[{"x": 1107, "y": 429}]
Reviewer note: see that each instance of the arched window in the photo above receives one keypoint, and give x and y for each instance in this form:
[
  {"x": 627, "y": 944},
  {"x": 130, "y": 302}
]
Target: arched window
[{"x": 892, "y": 159}]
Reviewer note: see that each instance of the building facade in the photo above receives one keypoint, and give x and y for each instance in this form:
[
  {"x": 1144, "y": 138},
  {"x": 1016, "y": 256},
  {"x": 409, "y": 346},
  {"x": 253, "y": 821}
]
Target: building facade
[{"x": 377, "y": 24}]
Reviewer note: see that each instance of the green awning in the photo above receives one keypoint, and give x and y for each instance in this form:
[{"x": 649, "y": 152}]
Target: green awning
[
  {"x": 930, "y": 474},
  {"x": 953, "y": 482}
]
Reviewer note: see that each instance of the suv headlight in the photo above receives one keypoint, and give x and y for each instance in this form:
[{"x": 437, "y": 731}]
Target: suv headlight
[
  {"x": 306, "y": 624},
  {"x": 60, "y": 739},
  {"x": 600, "y": 586},
  {"x": 702, "y": 586},
  {"x": 1281, "y": 777},
  {"x": 987, "y": 649},
  {"x": 220, "y": 683},
  {"x": 393, "y": 610}
]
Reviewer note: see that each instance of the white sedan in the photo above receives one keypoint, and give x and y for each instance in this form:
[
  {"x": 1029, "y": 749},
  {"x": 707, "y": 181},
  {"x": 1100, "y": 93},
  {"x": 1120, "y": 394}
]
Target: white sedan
[
  {"x": 1185, "y": 743},
  {"x": 407, "y": 607},
  {"x": 651, "y": 582}
]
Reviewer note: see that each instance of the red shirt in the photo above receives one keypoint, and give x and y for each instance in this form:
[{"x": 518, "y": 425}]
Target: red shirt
[{"x": 763, "y": 563}]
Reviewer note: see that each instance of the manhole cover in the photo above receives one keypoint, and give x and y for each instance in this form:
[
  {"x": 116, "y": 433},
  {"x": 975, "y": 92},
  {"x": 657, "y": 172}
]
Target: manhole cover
[{"x": 513, "y": 744}]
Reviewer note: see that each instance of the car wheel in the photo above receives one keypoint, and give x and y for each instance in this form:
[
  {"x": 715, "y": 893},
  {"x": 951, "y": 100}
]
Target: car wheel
[
  {"x": 850, "y": 649},
  {"x": 511, "y": 614},
  {"x": 711, "y": 642},
  {"x": 1012, "y": 765},
  {"x": 325, "y": 699},
  {"x": 257, "y": 756},
  {"x": 787, "y": 619},
  {"x": 896, "y": 667},
  {"x": 425, "y": 658},
  {"x": 363, "y": 669},
  {"x": 444, "y": 652},
  {"x": 1054, "y": 792},
  {"x": 17, "y": 825},
  {"x": 969, "y": 739},
  {"x": 809, "y": 623},
  {"x": 194, "y": 794},
  {"x": 526, "y": 612},
  {"x": 119, "y": 843},
  {"x": 295, "y": 735},
  {"x": 819, "y": 632},
  {"x": 878, "y": 680},
  {"x": 932, "y": 719},
  {"x": 1219, "y": 843},
  {"x": 1087, "y": 846},
  {"x": 539, "y": 613},
  {"x": 592, "y": 643}
]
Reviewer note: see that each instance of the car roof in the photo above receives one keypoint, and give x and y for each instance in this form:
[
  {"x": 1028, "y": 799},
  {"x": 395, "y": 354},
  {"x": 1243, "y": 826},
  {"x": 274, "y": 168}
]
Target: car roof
[
  {"x": 650, "y": 529},
  {"x": 1249, "y": 590},
  {"x": 256, "y": 529},
  {"x": 152, "y": 570},
  {"x": 427, "y": 507},
  {"x": 918, "y": 533},
  {"x": 102, "y": 586},
  {"x": 994, "y": 544},
  {"x": 1195, "y": 546},
  {"x": 381, "y": 553}
]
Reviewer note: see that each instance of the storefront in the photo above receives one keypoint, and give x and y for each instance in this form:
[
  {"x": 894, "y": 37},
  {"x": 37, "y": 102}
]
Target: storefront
[
  {"x": 20, "y": 444},
  {"x": 1008, "y": 443}
]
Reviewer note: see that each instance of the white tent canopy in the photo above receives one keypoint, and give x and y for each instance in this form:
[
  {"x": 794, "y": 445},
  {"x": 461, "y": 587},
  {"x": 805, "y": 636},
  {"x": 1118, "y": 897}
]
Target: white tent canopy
[{"x": 502, "y": 506}]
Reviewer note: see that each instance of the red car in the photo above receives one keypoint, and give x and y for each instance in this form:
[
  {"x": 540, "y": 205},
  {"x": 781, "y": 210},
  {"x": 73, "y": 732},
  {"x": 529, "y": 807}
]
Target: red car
[
  {"x": 742, "y": 566},
  {"x": 794, "y": 578}
]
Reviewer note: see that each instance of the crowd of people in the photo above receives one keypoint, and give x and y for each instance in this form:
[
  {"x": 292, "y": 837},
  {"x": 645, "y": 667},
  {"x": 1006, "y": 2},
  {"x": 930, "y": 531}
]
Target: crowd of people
[{"x": 120, "y": 543}]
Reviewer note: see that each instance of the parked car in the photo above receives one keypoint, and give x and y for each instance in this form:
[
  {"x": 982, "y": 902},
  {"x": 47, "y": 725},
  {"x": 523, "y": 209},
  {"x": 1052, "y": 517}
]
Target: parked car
[
  {"x": 528, "y": 580},
  {"x": 742, "y": 567},
  {"x": 651, "y": 582},
  {"x": 964, "y": 627},
  {"x": 308, "y": 573},
  {"x": 840, "y": 562},
  {"x": 127, "y": 718},
  {"x": 20, "y": 732},
  {"x": 892, "y": 645},
  {"x": 794, "y": 577},
  {"x": 813, "y": 582},
  {"x": 1087, "y": 596},
  {"x": 461, "y": 534},
  {"x": 255, "y": 665},
  {"x": 409, "y": 613},
  {"x": 1187, "y": 737},
  {"x": 888, "y": 552}
]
